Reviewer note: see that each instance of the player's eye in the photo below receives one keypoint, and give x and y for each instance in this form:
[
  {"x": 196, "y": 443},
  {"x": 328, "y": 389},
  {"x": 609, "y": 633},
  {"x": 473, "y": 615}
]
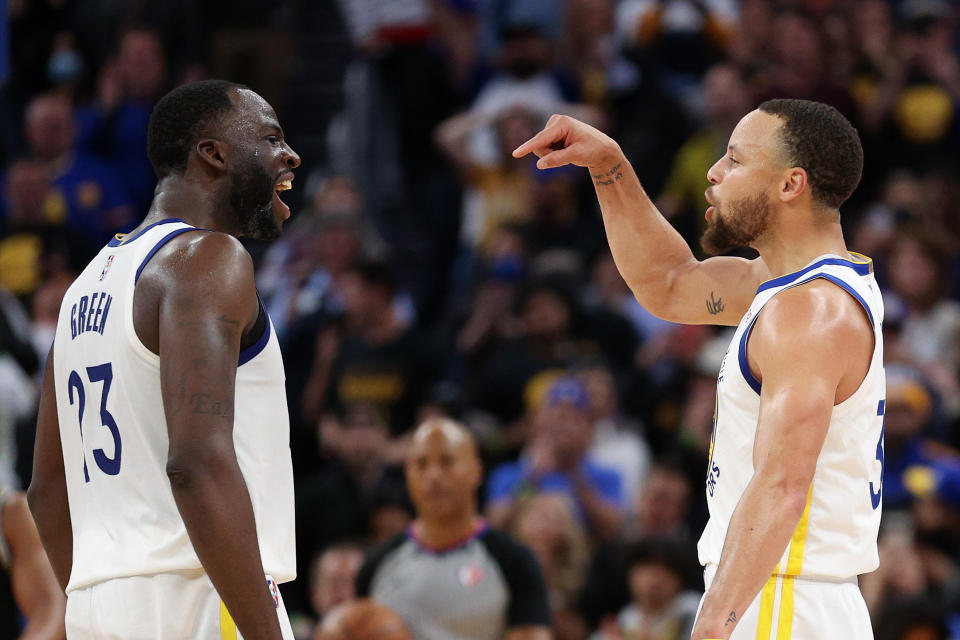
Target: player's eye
[
  {"x": 274, "y": 140},
  {"x": 734, "y": 160}
]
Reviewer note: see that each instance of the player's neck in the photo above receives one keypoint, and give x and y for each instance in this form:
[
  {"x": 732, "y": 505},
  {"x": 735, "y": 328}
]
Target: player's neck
[
  {"x": 194, "y": 203},
  {"x": 442, "y": 534},
  {"x": 790, "y": 248}
]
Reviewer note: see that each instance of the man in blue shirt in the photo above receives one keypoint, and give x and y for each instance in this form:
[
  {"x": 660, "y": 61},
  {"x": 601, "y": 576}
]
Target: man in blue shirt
[
  {"x": 86, "y": 195},
  {"x": 555, "y": 461}
]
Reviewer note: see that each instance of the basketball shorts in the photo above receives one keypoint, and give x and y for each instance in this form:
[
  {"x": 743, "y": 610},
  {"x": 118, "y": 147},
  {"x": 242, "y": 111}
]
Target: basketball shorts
[
  {"x": 791, "y": 608},
  {"x": 166, "y": 606}
]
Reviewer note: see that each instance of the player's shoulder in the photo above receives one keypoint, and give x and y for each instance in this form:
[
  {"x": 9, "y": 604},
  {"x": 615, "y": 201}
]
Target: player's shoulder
[
  {"x": 816, "y": 313},
  {"x": 200, "y": 256}
]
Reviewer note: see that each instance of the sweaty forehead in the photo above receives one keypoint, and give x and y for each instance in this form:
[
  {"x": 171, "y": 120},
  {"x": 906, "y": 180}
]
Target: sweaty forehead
[
  {"x": 251, "y": 110},
  {"x": 757, "y": 134}
]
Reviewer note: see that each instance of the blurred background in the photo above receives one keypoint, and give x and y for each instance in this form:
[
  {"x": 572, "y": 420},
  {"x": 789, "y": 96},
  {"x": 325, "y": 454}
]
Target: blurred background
[{"x": 426, "y": 272}]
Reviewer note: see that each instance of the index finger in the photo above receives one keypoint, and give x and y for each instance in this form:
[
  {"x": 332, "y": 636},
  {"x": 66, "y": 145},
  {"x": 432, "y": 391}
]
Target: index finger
[{"x": 542, "y": 141}]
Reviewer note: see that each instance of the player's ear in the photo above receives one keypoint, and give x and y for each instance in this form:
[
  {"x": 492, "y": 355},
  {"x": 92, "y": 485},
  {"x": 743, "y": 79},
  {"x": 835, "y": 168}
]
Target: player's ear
[
  {"x": 793, "y": 183},
  {"x": 213, "y": 153}
]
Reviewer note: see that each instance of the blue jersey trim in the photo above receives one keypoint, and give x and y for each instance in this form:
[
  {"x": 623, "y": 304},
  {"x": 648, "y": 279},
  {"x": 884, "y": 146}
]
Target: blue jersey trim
[
  {"x": 164, "y": 240},
  {"x": 861, "y": 268},
  {"x": 742, "y": 351},
  {"x": 251, "y": 352},
  {"x": 742, "y": 357},
  {"x": 119, "y": 240}
]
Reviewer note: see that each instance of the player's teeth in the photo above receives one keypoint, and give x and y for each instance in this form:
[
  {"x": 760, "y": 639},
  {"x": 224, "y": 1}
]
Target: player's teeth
[{"x": 284, "y": 185}]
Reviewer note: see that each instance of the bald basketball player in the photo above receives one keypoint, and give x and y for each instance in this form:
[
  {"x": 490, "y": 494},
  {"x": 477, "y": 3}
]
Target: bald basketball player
[{"x": 450, "y": 576}]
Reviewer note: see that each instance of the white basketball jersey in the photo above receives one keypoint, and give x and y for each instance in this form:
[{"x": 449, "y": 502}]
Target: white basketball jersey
[
  {"x": 836, "y": 537},
  {"x": 114, "y": 433}
]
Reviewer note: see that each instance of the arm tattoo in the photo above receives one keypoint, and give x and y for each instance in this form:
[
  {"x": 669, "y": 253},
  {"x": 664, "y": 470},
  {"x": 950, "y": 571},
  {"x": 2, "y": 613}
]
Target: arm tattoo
[
  {"x": 714, "y": 305},
  {"x": 731, "y": 619},
  {"x": 202, "y": 403},
  {"x": 614, "y": 175}
]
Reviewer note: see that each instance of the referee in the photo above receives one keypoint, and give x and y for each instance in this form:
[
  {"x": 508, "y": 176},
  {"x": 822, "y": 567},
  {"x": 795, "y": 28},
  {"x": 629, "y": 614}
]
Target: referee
[{"x": 450, "y": 576}]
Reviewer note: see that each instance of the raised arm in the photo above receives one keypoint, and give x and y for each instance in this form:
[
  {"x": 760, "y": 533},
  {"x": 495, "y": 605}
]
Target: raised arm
[
  {"x": 207, "y": 301},
  {"x": 811, "y": 347},
  {"x": 652, "y": 257},
  {"x": 47, "y": 495},
  {"x": 35, "y": 588}
]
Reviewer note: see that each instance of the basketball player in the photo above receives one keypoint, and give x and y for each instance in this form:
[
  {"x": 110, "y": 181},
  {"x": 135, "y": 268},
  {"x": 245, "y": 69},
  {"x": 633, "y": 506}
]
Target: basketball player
[
  {"x": 450, "y": 576},
  {"x": 794, "y": 479},
  {"x": 162, "y": 483}
]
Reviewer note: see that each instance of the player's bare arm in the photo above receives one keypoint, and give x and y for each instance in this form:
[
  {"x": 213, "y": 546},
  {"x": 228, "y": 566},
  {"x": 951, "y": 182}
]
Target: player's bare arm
[
  {"x": 35, "y": 588},
  {"x": 654, "y": 260},
  {"x": 811, "y": 349},
  {"x": 200, "y": 290},
  {"x": 47, "y": 494}
]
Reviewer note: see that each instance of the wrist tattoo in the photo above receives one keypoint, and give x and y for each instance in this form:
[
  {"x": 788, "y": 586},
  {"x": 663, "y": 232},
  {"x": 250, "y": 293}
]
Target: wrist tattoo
[
  {"x": 614, "y": 175},
  {"x": 731, "y": 619},
  {"x": 714, "y": 305}
]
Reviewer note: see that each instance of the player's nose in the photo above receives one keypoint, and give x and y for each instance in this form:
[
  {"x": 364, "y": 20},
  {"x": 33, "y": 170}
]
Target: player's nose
[
  {"x": 713, "y": 173},
  {"x": 290, "y": 157}
]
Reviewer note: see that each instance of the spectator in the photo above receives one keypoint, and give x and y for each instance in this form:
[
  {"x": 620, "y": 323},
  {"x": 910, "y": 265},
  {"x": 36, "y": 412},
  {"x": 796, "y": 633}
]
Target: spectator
[
  {"x": 661, "y": 608},
  {"x": 373, "y": 357},
  {"x": 115, "y": 126},
  {"x": 555, "y": 461},
  {"x": 450, "y": 576},
  {"x": 548, "y": 525},
  {"x": 85, "y": 194},
  {"x": 918, "y": 274},
  {"x": 726, "y": 100},
  {"x": 32, "y": 246},
  {"x": 337, "y": 501},
  {"x": 332, "y": 576},
  {"x": 617, "y": 443}
]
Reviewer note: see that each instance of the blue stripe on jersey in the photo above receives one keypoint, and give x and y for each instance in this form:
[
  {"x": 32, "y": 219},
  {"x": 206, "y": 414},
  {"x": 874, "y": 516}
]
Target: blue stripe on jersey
[
  {"x": 742, "y": 356},
  {"x": 164, "y": 240},
  {"x": 251, "y": 352},
  {"x": 742, "y": 351},
  {"x": 116, "y": 242},
  {"x": 861, "y": 269}
]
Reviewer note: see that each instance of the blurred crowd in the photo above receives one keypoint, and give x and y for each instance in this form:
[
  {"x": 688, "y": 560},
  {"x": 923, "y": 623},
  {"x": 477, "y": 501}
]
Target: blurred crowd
[{"x": 427, "y": 273}]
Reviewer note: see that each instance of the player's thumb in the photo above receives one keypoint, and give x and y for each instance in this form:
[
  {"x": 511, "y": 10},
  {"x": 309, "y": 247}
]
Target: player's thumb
[{"x": 568, "y": 155}]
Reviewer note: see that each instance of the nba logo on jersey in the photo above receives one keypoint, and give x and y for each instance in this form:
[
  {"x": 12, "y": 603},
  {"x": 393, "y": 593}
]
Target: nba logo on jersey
[
  {"x": 470, "y": 575},
  {"x": 106, "y": 267},
  {"x": 274, "y": 592}
]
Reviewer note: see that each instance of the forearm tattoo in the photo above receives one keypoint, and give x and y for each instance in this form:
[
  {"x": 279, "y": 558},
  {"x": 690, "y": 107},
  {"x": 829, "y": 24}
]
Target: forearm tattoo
[{"x": 614, "y": 175}]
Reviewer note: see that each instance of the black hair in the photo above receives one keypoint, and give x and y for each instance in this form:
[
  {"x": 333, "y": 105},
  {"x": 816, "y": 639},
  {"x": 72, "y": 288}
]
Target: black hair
[
  {"x": 671, "y": 553},
  {"x": 819, "y": 139},
  {"x": 181, "y": 118},
  {"x": 377, "y": 272}
]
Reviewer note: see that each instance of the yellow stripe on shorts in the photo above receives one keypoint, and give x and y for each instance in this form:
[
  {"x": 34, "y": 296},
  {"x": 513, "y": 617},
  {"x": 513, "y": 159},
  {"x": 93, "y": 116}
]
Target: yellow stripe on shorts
[
  {"x": 794, "y": 564},
  {"x": 228, "y": 628},
  {"x": 766, "y": 607}
]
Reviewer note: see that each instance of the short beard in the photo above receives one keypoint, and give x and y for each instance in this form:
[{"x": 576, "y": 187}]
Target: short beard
[
  {"x": 747, "y": 219},
  {"x": 251, "y": 202}
]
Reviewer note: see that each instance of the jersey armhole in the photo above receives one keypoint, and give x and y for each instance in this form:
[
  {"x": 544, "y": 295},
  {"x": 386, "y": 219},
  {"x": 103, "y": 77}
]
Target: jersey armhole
[{"x": 755, "y": 384}]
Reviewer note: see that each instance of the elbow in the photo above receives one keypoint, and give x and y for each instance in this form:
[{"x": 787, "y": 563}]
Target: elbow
[
  {"x": 36, "y": 497},
  {"x": 187, "y": 470}
]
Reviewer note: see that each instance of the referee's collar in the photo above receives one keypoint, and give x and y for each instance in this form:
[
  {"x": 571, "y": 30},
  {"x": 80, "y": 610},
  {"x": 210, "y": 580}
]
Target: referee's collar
[{"x": 478, "y": 530}]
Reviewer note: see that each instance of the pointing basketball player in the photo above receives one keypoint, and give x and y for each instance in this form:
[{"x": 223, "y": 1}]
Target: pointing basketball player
[
  {"x": 794, "y": 478},
  {"x": 162, "y": 484}
]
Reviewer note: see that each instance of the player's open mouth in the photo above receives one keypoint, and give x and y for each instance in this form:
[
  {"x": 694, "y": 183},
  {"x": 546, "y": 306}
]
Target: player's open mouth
[{"x": 283, "y": 185}]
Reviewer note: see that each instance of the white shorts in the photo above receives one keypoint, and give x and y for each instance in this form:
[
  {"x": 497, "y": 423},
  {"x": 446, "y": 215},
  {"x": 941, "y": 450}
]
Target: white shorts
[
  {"x": 166, "y": 606},
  {"x": 789, "y": 608}
]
